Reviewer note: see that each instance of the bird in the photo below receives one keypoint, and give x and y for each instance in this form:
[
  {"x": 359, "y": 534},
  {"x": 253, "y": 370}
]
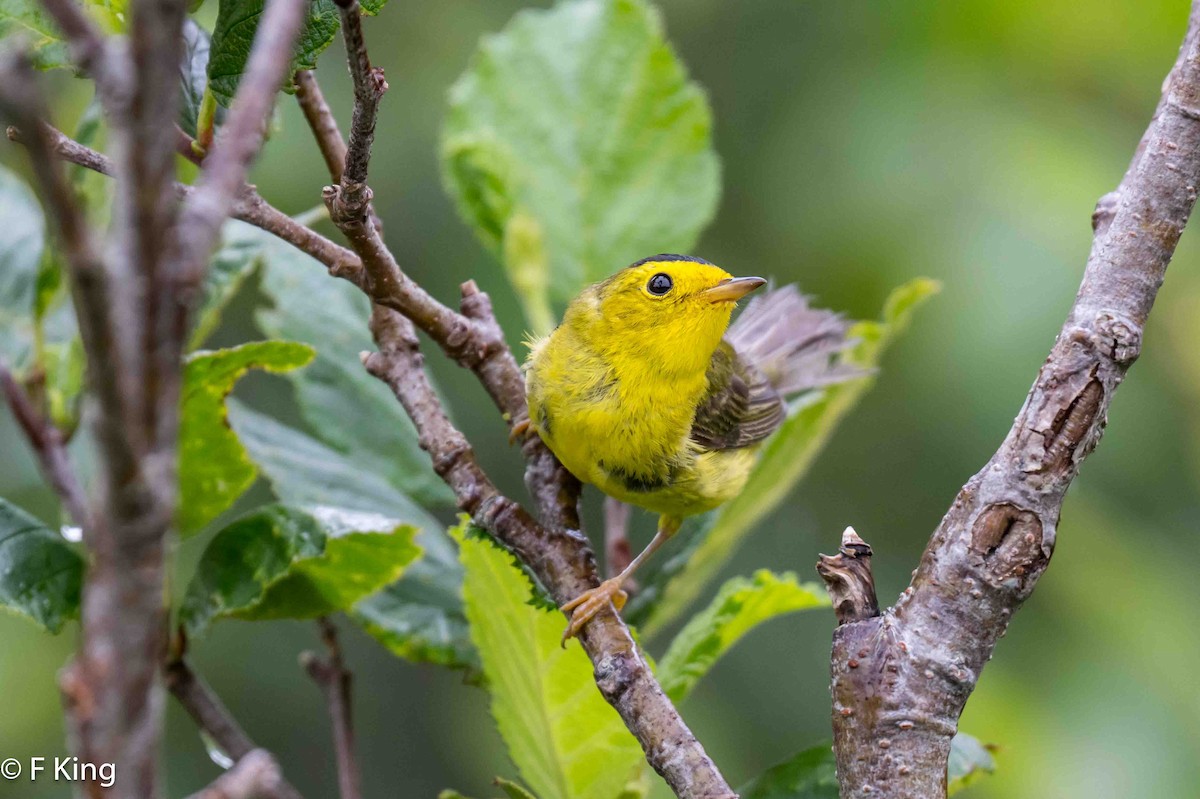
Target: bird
[{"x": 646, "y": 391}]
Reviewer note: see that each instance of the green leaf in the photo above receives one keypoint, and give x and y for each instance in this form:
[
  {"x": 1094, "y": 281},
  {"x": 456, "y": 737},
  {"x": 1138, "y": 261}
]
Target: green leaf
[
  {"x": 40, "y": 575},
  {"x": 214, "y": 469},
  {"x": 193, "y": 74},
  {"x": 22, "y": 239},
  {"x": 228, "y": 270},
  {"x": 808, "y": 775},
  {"x": 811, "y": 773},
  {"x": 419, "y": 617},
  {"x": 331, "y": 316},
  {"x": 695, "y": 555},
  {"x": 575, "y": 144},
  {"x": 233, "y": 34},
  {"x": 288, "y": 563},
  {"x": 566, "y": 740},
  {"x": 740, "y": 606},
  {"x": 969, "y": 760},
  {"x": 26, "y": 17}
]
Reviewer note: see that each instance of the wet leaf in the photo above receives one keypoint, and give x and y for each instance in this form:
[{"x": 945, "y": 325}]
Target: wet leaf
[
  {"x": 41, "y": 576},
  {"x": 282, "y": 562}
]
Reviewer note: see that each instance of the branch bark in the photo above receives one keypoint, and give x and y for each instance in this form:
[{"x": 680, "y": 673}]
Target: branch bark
[
  {"x": 213, "y": 718},
  {"x": 334, "y": 679},
  {"x": 255, "y": 776},
  {"x": 901, "y": 679},
  {"x": 48, "y": 446}
]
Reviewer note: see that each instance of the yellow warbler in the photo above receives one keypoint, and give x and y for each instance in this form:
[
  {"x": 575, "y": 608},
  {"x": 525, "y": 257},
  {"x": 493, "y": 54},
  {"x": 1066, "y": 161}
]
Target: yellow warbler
[{"x": 641, "y": 393}]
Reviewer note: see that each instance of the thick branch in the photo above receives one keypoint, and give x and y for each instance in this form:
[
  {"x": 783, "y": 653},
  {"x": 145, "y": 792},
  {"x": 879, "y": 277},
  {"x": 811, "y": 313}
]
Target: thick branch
[
  {"x": 212, "y": 717},
  {"x": 255, "y": 776},
  {"x": 904, "y": 677},
  {"x": 335, "y": 680}
]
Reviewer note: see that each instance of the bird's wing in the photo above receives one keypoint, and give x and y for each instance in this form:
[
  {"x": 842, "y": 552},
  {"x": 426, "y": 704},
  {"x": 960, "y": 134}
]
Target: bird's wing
[{"x": 740, "y": 408}]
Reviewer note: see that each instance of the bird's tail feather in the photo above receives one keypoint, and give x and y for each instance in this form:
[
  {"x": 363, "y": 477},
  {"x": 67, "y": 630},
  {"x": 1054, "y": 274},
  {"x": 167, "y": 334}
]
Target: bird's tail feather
[{"x": 794, "y": 345}]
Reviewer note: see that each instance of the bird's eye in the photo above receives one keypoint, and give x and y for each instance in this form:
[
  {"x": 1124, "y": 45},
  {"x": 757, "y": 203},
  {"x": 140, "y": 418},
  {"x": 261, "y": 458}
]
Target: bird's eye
[{"x": 659, "y": 285}]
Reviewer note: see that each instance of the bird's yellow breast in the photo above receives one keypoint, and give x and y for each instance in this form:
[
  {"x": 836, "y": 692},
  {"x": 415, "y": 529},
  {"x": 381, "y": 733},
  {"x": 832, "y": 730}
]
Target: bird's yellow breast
[{"x": 623, "y": 424}]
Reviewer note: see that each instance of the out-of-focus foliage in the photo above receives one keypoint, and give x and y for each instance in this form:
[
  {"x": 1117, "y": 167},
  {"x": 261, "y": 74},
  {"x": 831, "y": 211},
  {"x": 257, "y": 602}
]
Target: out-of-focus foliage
[
  {"x": 567, "y": 742},
  {"x": 22, "y": 239},
  {"x": 575, "y": 144},
  {"x": 40, "y": 575},
  {"x": 741, "y": 605},
  {"x": 291, "y": 563},
  {"x": 214, "y": 468},
  {"x": 26, "y": 18},
  {"x": 705, "y": 544}
]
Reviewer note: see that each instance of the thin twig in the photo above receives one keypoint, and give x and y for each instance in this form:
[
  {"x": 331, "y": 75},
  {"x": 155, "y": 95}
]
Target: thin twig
[
  {"x": 212, "y": 717},
  {"x": 255, "y": 776},
  {"x": 369, "y": 88},
  {"x": 335, "y": 681},
  {"x": 905, "y": 676},
  {"x": 49, "y": 447},
  {"x": 322, "y": 122},
  {"x": 250, "y": 207}
]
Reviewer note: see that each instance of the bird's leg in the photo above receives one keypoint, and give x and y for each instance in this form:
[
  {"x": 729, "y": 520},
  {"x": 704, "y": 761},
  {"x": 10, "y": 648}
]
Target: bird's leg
[{"x": 583, "y": 607}]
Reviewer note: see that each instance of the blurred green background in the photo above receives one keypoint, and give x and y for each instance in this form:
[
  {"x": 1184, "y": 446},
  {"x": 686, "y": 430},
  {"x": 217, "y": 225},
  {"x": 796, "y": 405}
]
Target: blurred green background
[{"x": 863, "y": 144}]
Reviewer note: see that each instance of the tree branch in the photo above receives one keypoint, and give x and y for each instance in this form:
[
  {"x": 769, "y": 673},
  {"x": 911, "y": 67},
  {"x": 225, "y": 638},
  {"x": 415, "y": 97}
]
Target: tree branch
[
  {"x": 221, "y": 182},
  {"x": 334, "y": 680},
  {"x": 49, "y": 447},
  {"x": 249, "y": 207},
  {"x": 848, "y": 577},
  {"x": 322, "y": 122},
  {"x": 213, "y": 718},
  {"x": 255, "y": 776},
  {"x": 904, "y": 677},
  {"x": 557, "y": 552}
]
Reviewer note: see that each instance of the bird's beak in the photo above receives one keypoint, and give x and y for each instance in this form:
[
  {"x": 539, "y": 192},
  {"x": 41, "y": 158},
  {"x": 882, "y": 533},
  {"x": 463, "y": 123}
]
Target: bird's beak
[{"x": 732, "y": 289}]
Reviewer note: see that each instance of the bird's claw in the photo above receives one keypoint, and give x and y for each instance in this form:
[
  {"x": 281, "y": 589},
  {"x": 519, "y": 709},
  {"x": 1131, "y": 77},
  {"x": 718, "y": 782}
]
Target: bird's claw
[
  {"x": 583, "y": 607},
  {"x": 518, "y": 432}
]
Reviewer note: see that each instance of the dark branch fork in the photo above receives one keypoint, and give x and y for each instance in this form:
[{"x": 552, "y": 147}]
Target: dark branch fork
[{"x": 900, "y": 679}]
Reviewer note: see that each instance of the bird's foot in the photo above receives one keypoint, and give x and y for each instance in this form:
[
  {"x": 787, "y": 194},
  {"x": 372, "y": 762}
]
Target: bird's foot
[
  {"x": 583, "y": 607},
  {"x": 519, "y": 431}
]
